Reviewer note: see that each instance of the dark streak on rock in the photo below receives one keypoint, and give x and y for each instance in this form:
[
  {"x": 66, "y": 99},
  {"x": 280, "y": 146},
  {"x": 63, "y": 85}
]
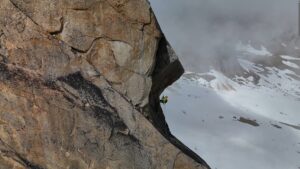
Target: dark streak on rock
[
  {"x": 88, "y": 91},
  {"x": 11, "y": 153},
  {"x": 76, "y": 50},
  {"x": 22, "y": 11},
  {"x": 51, "y": 84},
  {"x": 14, "y": 74},
  {"x": 60, "y": 29},
  {"x": 28, "y": 163},
  {"x": 100, "y": 108}
]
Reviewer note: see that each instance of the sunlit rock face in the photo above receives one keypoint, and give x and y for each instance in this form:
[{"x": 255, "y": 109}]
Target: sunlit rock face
[{"x": 79, "y": 87}]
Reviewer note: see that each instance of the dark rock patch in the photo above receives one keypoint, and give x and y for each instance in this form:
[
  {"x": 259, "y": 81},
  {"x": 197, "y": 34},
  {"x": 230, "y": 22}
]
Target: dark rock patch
[
  {"x": 276, "y": 126},
  {"x": 292, "y": 126},
  {"x": 248, "y": 121}
]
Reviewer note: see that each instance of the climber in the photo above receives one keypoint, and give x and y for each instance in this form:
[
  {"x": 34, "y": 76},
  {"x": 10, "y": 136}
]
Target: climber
[{"x": 164, "y": 100}]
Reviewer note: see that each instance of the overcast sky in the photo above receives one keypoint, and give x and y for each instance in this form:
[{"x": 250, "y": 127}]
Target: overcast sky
[{"x": 203, "y": 30}]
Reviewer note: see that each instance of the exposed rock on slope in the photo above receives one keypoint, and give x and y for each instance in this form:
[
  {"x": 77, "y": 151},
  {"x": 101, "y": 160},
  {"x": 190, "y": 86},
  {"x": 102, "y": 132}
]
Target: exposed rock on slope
[{"x": 79, "y": 87}]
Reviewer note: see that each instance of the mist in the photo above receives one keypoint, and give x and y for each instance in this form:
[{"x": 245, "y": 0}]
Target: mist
[{"x": 204, "y": 33}]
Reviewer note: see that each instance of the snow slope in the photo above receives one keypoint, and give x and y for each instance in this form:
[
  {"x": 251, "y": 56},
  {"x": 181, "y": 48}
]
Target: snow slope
[{"x": 242, "y": 122}]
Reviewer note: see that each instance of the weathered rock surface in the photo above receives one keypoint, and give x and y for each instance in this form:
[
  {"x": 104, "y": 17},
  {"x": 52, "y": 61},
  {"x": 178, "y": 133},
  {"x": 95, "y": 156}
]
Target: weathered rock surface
[{"x": 79, "y": 87}]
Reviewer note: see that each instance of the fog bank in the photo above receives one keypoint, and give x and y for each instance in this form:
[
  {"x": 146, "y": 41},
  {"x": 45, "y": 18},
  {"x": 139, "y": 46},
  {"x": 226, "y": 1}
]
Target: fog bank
[{"x": 205, "y": 32}]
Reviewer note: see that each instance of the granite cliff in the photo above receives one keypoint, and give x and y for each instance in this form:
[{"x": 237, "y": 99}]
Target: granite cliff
[{"x": 79, "y": 87}]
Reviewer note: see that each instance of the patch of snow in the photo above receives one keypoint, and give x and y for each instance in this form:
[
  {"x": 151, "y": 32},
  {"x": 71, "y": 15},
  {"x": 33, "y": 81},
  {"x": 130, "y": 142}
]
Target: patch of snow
[
  {"x": 196, "y": 122},
  {"x": 248, "y": 49},
  {"x": 291, "y": 64},
  {"x": 286, "y": 57},
  {"x": 251, "y": 78},
  {"x": 283, "y": 44},
  {"x": 265, "y": 94},
  {"x": 221, "y": 82},
  {"x": 247, "y": 65},
  {"x": 276, "y": 91}
]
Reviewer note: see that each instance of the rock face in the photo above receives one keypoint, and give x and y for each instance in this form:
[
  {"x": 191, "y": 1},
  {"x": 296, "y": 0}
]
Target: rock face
[{"x": 79, "y": 87}]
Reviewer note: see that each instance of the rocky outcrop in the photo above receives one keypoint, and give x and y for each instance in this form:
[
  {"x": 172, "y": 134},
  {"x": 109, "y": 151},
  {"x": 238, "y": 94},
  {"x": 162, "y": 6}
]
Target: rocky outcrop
[{"x": 79, "y": 87}]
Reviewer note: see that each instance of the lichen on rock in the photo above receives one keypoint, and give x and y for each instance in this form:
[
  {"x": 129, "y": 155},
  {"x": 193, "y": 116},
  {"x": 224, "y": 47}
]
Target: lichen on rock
[{"x": 79, "y": 87}]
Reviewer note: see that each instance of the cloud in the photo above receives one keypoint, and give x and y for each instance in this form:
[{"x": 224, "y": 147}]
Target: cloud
[{"x": 205, "y": 31}]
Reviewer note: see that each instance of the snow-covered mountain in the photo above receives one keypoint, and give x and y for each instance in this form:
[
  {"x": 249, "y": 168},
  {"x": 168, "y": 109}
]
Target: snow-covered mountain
[{"x": 249, "y": 119}]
